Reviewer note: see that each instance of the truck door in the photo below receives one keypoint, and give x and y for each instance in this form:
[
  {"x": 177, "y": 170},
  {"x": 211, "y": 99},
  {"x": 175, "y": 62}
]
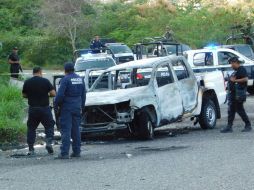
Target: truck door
[
  {"x": 168, "y": 94},
  {"x": 187, "y": 83}
]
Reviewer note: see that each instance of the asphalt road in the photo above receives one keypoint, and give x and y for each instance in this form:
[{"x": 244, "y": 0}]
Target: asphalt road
[{"x": 181, "y": 157}]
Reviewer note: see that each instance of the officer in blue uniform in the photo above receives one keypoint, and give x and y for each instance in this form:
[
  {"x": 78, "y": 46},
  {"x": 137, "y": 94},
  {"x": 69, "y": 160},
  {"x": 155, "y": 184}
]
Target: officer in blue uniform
[
  {"x": 71, "y": 100},
  {"x": 96, "y": 45}
]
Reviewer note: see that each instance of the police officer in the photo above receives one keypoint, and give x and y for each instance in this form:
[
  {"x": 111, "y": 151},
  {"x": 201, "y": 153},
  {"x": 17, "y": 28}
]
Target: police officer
[
  {"x": 237, "y": 95},
  {"x": 71, "y": 100},
  {"x": 14, "y": 62},
  {"x": 96, "y": 45},
  {"x": 38, "y": 90}
]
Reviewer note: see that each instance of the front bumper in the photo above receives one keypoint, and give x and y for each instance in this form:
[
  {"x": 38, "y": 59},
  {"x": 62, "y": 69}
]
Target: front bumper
[
  {"x": 107, "y": 118},
  {"x": 102, "y": 128}
]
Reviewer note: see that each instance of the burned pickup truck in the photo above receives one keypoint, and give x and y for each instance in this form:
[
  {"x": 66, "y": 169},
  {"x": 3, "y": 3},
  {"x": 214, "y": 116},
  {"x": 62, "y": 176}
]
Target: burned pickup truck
[{"x": 145, "y": 94}]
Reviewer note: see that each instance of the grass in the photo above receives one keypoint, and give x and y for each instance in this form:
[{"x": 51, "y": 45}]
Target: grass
[{"x": 12, "y": 128}]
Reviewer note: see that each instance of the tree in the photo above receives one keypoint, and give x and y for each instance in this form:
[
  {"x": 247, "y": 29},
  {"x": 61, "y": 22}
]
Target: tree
[{"x": 65, "y": 18}]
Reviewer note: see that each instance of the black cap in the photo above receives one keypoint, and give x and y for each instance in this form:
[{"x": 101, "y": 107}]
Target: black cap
[
  {"x": 234, "y": 60},
  {"x": 69, "y": 67},
  {"x": 15, "y": 48}
]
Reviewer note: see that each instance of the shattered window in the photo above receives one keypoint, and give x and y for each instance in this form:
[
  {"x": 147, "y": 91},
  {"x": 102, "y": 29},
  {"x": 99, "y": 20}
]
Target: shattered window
[
  {"x": 122, "y": 79},
  {"x": 105, "y": 81},
  {"x": 143, "y": 76},
  {"x": 163, "y": 76},
  {"x": 181, "y": 70}
]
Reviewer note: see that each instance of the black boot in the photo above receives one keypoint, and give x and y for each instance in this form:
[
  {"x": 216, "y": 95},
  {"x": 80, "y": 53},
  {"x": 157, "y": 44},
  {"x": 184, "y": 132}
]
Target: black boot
[
  {"x": 49, "y": 147},
  {"x": 227, "y": 129},
  {"x": 31, "y": 151},
  {"x": 247, "y": 128}
]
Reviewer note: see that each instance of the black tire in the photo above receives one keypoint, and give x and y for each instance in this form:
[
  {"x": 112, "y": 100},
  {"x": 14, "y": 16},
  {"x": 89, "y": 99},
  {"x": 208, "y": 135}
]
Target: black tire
[
  {"x": 144, "y": 126},
  {"x": 250, "y": 90},
  {"x": 208, "y": 116}
]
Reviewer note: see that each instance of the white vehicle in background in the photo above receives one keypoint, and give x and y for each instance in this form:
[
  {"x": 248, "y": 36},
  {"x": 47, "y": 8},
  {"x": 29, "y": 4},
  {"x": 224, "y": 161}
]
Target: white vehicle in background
[
  {"x": 152, "y": 93},
  {"x": 89, "y": 66},
  {"x": 212, "y": 59},
  {"x": 243, "y": 49}
]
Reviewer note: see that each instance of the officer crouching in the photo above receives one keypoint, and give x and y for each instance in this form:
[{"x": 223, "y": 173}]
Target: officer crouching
[
  {"x": 237, "y": 86},
  {"x": 70, "y": 100}
]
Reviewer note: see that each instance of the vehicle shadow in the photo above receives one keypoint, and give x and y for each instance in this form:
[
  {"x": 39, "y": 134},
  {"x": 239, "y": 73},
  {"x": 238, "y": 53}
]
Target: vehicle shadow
[{"x": 119, "y": 138}]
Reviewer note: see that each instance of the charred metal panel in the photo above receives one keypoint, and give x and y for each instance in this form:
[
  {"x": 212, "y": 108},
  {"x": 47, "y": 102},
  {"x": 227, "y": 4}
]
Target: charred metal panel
[{"x": 169, "y": 102}]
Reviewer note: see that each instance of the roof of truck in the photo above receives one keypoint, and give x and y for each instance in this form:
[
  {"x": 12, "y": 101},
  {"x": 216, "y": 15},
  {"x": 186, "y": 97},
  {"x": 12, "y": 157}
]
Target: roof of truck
[
  {"x": 209, "y": 49},
  {"x": 151, "y": 62},
  {"x": 96, "y": 56}
]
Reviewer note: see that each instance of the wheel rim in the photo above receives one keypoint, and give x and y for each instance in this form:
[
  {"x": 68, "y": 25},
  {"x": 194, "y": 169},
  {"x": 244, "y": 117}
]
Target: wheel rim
[
  {"x": 150, "y": 128},
  {"x": 210, "y": 115}
]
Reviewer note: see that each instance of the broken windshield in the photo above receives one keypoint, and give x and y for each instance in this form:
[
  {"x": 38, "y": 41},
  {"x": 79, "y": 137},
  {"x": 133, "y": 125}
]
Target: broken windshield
[{"x": 123, "y": 79}]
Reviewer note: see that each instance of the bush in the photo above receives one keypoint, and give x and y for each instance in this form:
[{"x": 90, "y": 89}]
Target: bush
[
  {"x": 11, "y": 132},
  {"x": 12, "y": 107}
]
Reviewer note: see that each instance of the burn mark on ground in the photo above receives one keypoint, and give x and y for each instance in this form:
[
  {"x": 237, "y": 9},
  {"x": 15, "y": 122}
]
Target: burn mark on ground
[{"x": 160, "y": 149}]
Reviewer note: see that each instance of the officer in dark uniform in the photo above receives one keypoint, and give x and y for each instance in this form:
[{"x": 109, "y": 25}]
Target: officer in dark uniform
[
  {"x": 169, "y": 34},
  {"x": 237, "y": 95},
  {"x": 96, "y": 45},
  {"x": 38, "y": 90},
  {"x": 14, "y": 62},
  {"x": 71, "y": 100}
]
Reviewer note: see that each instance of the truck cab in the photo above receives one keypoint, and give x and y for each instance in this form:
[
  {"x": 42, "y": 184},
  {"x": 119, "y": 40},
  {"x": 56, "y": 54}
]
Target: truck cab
[
  {"x": 122, "y": 53},
  {"x": 212, "y": 59},
  {"x": 145, "y": 94}
]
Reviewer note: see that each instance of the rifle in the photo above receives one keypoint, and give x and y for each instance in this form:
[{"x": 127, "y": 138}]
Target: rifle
[{"x": 57, "y": 112}]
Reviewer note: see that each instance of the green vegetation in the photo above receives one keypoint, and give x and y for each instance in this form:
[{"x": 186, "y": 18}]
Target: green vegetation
[
  {"x": 47, "y": 31},
  {"x": 12, "y": 106},
  {"x": 12, "y": 110}
]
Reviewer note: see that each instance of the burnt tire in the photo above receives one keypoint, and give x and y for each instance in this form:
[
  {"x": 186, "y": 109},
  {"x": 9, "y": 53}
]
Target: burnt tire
[
  {"x": 208, "y": 116},
  {"x": 144, "y": 126},
  {"x": 250, "y": 90}
]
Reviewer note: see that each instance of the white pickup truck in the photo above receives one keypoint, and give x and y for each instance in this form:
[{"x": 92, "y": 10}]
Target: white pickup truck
[
  {"x": 211, "y": 59},
  {"x": 145, "y": 94}
]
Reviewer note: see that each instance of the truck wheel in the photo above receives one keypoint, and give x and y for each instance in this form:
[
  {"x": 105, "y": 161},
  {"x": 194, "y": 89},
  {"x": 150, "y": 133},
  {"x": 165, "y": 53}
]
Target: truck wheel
[
  {"x": 208, "y": 116},
  {"x": 144, "y": 126},
  {"x": 250, "y": 90}
]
